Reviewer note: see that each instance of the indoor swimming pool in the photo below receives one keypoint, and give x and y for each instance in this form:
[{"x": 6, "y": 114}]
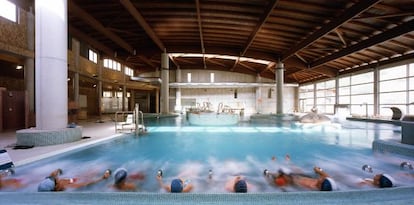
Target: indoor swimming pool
[{"x": 246, "y": 149}]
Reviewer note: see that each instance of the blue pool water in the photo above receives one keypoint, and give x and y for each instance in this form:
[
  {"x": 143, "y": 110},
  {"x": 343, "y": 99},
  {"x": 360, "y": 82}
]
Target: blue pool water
[{"x": 247, "y": 149}]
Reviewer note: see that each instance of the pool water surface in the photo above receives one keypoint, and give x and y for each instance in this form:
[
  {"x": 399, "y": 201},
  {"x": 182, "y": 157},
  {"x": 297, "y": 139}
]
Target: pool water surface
[{"x": 247, "y": 149}]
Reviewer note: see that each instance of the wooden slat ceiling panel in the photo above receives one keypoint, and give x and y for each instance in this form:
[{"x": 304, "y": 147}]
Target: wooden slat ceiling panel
[{"x": 316, "y": 39}]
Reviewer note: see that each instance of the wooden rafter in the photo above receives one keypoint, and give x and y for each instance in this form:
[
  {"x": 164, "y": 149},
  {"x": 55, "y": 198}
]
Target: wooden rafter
[
  {"x": 387, "y": 35},
  {"x": 98, "y": 26},
  {"x": 333, "y": 24},
  {"x": 140, "y": 19},
  {"x": 262, "y": 20}
]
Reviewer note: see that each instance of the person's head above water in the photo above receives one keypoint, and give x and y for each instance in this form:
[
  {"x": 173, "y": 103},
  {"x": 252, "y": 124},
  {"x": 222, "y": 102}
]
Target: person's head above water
[
  {"x": 120, "y": 175},
  {"x": 383, "y": 180},
  {"x": 177, "y": 186},
  {"x": 240, "y": 186}
]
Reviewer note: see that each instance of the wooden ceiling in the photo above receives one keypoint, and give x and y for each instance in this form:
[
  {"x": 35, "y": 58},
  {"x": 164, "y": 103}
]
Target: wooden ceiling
[{"x": 315, "y": 39}]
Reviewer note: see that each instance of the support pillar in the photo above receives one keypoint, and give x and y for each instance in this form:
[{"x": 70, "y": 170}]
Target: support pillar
[
  {"x": 51, "y": 64},
  {"x": 178, "y": 107},
  {"x": 29, "y": 74},
  {"x": 99, "y": 88},
  {"x": 259, "y": 99},
  {"x": 165, "y": 83},
  {"x": 76, "y": 56},
  {"x": 51, "y": 78},
  {"x": 279, "y": 88}
]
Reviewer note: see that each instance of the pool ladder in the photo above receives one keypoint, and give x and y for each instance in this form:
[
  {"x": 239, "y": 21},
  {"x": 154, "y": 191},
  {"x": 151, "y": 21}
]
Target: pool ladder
[
  {"x": 134, "y": 121},
  {"x": 139, "y": 121}
]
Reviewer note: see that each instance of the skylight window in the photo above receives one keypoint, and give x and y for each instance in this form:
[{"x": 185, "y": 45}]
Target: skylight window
[{"x": 226, "y": 57}]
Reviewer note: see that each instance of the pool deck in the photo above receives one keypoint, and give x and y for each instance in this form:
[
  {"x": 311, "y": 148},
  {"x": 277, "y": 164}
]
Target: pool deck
[
  {"x": 106, "y": 130},
  {"x": 94, "y": 132}
]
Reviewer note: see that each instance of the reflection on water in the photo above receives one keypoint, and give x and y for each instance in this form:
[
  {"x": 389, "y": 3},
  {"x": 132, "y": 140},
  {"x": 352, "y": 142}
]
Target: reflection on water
[{"x": 191, "y": 151}]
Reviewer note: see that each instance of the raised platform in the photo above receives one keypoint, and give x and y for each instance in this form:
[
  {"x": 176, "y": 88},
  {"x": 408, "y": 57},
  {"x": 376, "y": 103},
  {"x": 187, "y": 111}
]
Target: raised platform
[
  {"x": 388, "y": 121},
  {"x": 35, "y": 137},
  {"x": 394, "y": 147}
]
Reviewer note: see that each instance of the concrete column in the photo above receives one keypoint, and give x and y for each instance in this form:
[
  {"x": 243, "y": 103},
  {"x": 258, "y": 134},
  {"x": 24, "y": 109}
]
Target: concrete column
[
  {"x": 51, "y": 64},
  {"x": 99, "y": 87},
  {"x": 29, "y": 74},
  {"x": 165, "y": 94},
  {"x": 29, "y": 78},
  {"x": 76, "y": 56},
  {"x": 279, "y": 88},
  {"x": 178, "y": 106},
  {"x": 124, "y": 98},
  {"x": 76, "y": 88},
  {"x": 259, "y": 99},
  {"x": 157, "y": 101}
]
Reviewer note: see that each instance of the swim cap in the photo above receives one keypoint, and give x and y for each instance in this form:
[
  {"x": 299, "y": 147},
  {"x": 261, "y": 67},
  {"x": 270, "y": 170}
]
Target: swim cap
[
  {"x": 120, "y": 175},
  {"x": 176, "y": 186},
  {"x": 240, "y": 186},
  {"x": 328, "y": 185},
  {"x": 385, "y": 181},
  {"x": 48, "y": 184}
]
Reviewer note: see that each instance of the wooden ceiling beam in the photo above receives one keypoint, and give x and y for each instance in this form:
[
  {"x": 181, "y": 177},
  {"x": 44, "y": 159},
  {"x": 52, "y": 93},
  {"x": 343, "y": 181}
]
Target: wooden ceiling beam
[
  {"x": 374, "y": 40},
  {"x": 90, "y": 20},
  {"x": 140, "y": 19},
  {"x": 200, "y": 31},
  {"x": 347, "y": 15},
  {"x": 262, "y": 21}
]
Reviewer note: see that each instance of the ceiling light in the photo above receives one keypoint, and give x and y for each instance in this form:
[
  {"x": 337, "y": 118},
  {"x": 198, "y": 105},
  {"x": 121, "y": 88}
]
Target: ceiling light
[{"x": 19, "y": 67}]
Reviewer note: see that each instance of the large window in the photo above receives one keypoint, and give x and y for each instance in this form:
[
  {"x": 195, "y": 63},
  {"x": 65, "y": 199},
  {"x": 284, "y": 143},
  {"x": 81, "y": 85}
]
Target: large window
[
  {"x": 325, "y": 96},
  {"x": 362, "y": 94},
  {"x": 306, "y": 98},
  {"x": 393, "y": 86},
  {"x": 8, "y": 10},
  {"x": 344, "y": 90}
]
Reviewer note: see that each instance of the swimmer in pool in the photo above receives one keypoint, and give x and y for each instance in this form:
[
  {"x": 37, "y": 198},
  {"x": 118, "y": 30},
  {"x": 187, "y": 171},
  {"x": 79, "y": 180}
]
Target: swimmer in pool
[
  {"x": 322, "y": 183},
  {"x": 380, "y": 180},
  {"x": 238, "y": 184},
  {"x": 281, "y": 179},
  {"x": 178, "y": 185},
  {"x": 284, "y": 177},
  {"x": 54, "y": 183},
  {"x": 121, "y": 183},
  {"x": 7, "y": 183}
]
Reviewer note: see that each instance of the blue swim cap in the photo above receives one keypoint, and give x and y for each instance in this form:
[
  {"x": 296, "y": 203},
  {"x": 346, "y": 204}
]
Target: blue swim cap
[
  {"x": 48, "y": 184},
  {"x": 240, "y": 186},
  {"x": 120, "y": 175},
  {"x": 385, "y": 181},
  {"x": 176, "y": 186},
  {"x": 328, "y": 185}
]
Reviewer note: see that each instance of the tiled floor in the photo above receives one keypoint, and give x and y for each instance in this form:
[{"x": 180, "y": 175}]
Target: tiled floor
[{"x": 96, "y": 132}]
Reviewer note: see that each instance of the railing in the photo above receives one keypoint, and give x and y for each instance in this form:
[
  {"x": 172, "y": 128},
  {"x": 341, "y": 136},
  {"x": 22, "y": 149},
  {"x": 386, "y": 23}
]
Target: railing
[{"x": 130, "y": 121}]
